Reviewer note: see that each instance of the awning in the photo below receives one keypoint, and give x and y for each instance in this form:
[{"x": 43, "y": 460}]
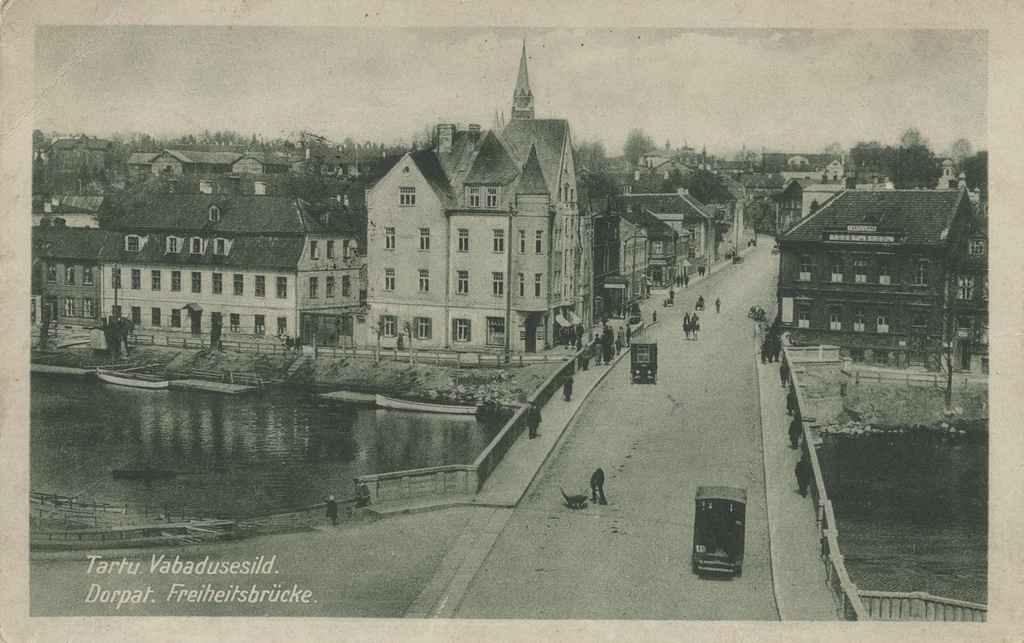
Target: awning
[
  {"x": 562, "y": 321},
  {"x": 573, "y": 318},
  {"x": 194, "y": 307}
]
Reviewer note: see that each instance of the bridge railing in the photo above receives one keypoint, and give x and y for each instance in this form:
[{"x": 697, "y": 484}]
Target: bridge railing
[{"x": 920, "y": 606}]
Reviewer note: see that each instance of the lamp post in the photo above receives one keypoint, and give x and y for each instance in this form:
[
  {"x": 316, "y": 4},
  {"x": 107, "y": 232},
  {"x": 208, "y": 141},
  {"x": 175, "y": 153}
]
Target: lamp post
[{"x": 115, "y": 281}]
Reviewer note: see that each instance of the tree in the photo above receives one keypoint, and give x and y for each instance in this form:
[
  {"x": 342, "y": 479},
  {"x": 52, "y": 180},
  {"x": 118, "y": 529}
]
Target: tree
[
  {"x": 707, "y": 187},
  {"x": 591, "y": 156},
  {"x": 913, "y": 138},
  {"x": 637, "y": 144},
  {"x": 959, "y": 151},
  {"x": 976, "y": 169},
  {"x": 833, "y": 149}
]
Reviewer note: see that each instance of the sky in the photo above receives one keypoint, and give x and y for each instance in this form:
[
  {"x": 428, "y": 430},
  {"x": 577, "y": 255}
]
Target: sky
[{"x": 784, "y": 90}]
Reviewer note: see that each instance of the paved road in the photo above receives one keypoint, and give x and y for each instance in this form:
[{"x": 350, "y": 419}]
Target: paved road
[{"x": 630, "y": 559}]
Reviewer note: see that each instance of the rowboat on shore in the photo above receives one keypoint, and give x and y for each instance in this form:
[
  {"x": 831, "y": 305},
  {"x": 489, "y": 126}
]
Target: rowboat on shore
[
  {"x": 132, "y": 379},
  {"x": 386, "y": 402}
]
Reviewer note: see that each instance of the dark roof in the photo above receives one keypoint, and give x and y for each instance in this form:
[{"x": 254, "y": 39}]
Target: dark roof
[
  {"x": 142, "y": 158},
  {"x": 204, "y": 158},
  {"x": 267, "y": 252},
  {"x": 548, "y": 135},
  {"x": 493, "y": 164},
  {"x": 430, "y": 167},
  {"x": 924, "y": 216},
  {"x": 664, "y": 204},
  {"x": 655, "y": 227},
  {"x": 86, "y": 244},
  {"x": 238, "y": 215},
  {"x": 533, "y": 177}
]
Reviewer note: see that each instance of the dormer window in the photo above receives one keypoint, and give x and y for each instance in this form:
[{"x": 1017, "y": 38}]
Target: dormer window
[
  {"x": 976, "y": 247},
  {"x": 474, "y": 197},
  {"x": 325, "y": 218},
  {"x": 132, "y": 243},
  {"x": 214, "y": 213},
  {"x": 196, "y": 245},
  {"x": 221, "y": 247},
  {"x": 492, "y": 197},
  {"x": 174, "y": 244},
  {"x": 314, "y": 249}
]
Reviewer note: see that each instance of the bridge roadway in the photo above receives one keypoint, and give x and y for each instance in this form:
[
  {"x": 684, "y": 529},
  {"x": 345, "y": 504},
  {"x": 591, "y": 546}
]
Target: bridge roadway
[{"x": 630, "y": 559}]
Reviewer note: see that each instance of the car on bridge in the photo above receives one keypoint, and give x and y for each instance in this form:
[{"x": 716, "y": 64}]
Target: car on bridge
[{"x": 719, "y": 529}]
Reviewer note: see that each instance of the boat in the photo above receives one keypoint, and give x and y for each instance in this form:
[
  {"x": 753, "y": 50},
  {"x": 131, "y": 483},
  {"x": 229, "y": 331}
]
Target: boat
[
  {"x": 350, "y": 396},
  {"x": 132, "y": 379},
  {"x": 386, "y": 402}
]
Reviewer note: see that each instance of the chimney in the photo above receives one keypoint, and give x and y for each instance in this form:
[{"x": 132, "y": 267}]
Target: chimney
[
  {"x": 259, "y": 188},
  {"x": 851, "y": 182},
  {"x": 636, "y": 175},
  {"x": 47, "y": 207},
  {"x": 445, "y": 137},
  {"x": 683, "y": 191},
  {"x": 206, "y": 186},
  {"x": 55, "y": 201},
  {"x": 961, "y": 181},
  {"x": 473, "y": 127}
]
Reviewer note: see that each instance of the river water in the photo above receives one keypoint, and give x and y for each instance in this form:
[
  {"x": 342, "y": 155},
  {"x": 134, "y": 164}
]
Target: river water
[
  {"x": 235, "y": 456},
  {"x": 912, "y": 509}
]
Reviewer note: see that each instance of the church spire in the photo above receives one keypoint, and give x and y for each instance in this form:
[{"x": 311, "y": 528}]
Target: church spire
[{"x": 522, "y": 97}]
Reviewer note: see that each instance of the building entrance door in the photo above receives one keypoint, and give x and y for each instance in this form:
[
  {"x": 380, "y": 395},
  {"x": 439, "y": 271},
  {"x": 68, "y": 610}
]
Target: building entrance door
[
  {"x": 916, "y": 342},
  {"x": 531, "y": 334},
  {"x": 196, "y": 316}
]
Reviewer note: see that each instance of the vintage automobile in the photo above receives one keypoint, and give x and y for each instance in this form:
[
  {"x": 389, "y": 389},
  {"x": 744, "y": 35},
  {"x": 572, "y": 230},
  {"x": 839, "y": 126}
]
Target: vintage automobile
[
  {"x": 719, "y": 529},
  {"x": 643, "y": 367}
]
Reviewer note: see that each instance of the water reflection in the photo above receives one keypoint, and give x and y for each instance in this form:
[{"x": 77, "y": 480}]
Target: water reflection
[{"x": 234, "y": 456}]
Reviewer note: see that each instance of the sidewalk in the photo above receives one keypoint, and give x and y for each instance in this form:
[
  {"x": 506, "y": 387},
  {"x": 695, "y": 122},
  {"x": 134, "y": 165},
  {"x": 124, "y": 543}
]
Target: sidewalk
[{"x": 798, "y": 573}]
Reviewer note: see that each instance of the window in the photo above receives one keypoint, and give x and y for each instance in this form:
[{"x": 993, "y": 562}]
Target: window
[
  {"x": 282, "y": 287},
  {"x": 537, "y": 281},
  {"x": 220, "y": 247},
  {"x": 239, "y": 283},
  {"x": 406, "y": 196},
  {"x": 499, "y": 241},
  {"x": 314, "y": 287},
  {"x": 463, "y": 282},
  {"x": 172, "y": 244},
  {"x": 965, "y": 287},
  {"x": 329, "y": 286},
  {"x": 474, "y": 197},
  {"x": 389, "y": 279},
  {"x": 131, "y": 243},
  {"x": 976, "y": 247},
  {"x": 882, "y": 358},
  {"x": 69, "y": 275},
  {"x": 88, "y": 308},
  {"x": 461, "y": 330},
  {"x": 805, "y": 268},
  {"x": 175, "y": 318},
  {"x": 51, "y": 275},
  {"x": 424, "y": 281},
  {"x": 261, "y": 286},
  {"x": 538, "y": 242},
  {"x": 235, "y": 320},
  {"x": 314, "y": 249},
  {"x": 137, "y": 315},
  {"x": 197, "y": 246},
  {"x": 282, "y": 326},
  {"x": 389, "y": 238},
  {"x": 69, "y": 306},
  {"x": 87, "y": 276},
  {"x": 346, "y": 286},
  {"x": 858, "y": 321},
  {"x": 260, "y": 324},
  {"x": 424, "y": 238},
  {"x": 463, "y": 240},
  {"x": 857, "y": 354},
  {"x": 388, "y": 325},
  {"x": 921, "y": 274},
  {"x": 837, "y": 270},
  {"x": 497, "y": 283},
  {"x": 175, "y": 281},
  {"x": 330, "y": 249},
  {"x": 115, "y": 311},
  {"x": 218, "y": 283},
  {"x": 835, "y": 320},
  {"x": 423, "y": 327},
  {"x": 495, "y": 331},
  {"x": 197, "y": 282},
  {"x": 656, "y": 247},
  {"x": 214, "y": 210},
  {"x": 884, "y": 272},
  {"x": 154, "y": 279},
  {"x": 136, "y": 279},
  {"x": 522, "y": 242},
  {"x": 492, "y": 197},
  {"x": 883, "y": 323},
  {"x": 860, "y": 271},
  {"x": 522, "y": 285},
  {"x": 154, "y": 317}
]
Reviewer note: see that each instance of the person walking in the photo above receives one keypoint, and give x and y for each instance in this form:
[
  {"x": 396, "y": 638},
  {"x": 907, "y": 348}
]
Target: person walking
[
  {"x": 686, "y": 280},
  {"x": 597, "y": 487},
  {"x": 629, "y": 334},
  {"x": 620, "y": 341},
  {"x": 533, "y": 419},
  {"x": 804, "y": 474},
  {"x": 784, "y": 373},
  {"x": 585, "y": 357},
  {"x": 791, "y": 402},
  {"x": 671, "y": 295},
  {"x": 567, "y": 388},
  {"x": 695, "y": 323},
  {"x": 718, "y": 305},
  {"x": 796, "y": 428},
  {"x": 332, "y": 510},
  {"x": 764, "y": 352}
]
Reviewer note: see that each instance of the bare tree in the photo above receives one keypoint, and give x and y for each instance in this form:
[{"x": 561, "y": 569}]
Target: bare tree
[
  {"x": 637, "y": 144},
  {"x": 959, "y": 151}
]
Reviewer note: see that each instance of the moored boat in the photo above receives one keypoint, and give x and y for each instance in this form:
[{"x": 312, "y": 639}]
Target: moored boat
[
  {"x": 133, "y": 380},
  {"x": 386, "y": 402}
]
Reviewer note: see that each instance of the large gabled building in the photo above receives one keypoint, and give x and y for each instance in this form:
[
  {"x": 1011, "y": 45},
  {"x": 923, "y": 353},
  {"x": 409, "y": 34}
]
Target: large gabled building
[
  {"x": 478, "y": 244},
  {"x": 873, "y": 272}
]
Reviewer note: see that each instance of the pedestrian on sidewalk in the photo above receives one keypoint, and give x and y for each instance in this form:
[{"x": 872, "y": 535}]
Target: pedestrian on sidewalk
[
  {"x": 784, "y": 373},
  {"x": 533, "y": 419},
  {"x": 791, "y": 402},
  {"x": 796, "y": 427},
  {"x": 567, "y": 388},
  {"x": 671, "y": 294},
  {"x": 620, "y": 341},
  {"x": 332, "y": 510},
  {"x": 718, "y": 305},
  {"x": 629, "y": 334},
  {"x": 597, "y": 487},
  {"x": 764, "y": 352},
  {"x": 686, "y": 280},
  {"x": 585, "y": 357},
  {"x": 804, "y": 474}
]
